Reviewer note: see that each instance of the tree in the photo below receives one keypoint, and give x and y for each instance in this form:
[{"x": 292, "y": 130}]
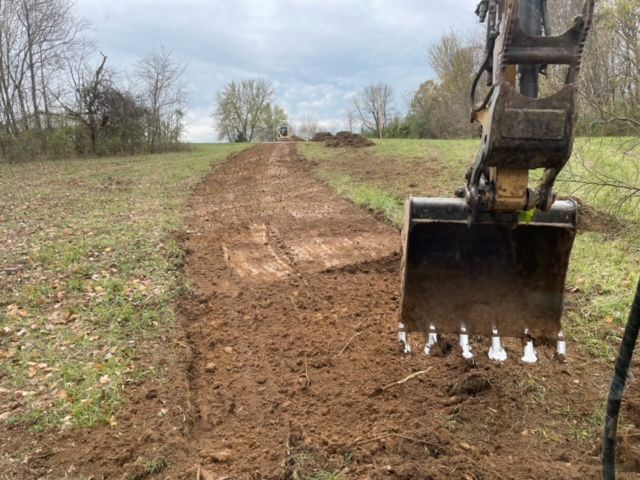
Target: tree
[
  {"x": 308, "y": 127},
  {"x": 113, "y": 118},
  {"x": 161, "y": 80},
  {"x": 351, "y": 118},
  {"x": 440, "y": 107},
  {"x": 373, "y": 104},
  {"x": 272, "y": 118},
  {"x": 240, "y": 109},
  {"x": 35, "y": 39}
]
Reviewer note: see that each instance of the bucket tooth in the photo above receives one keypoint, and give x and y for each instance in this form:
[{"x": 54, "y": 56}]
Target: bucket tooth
[
  {"x": 561, "y": 348},
  {"x": 432, "y": 340},
  {"x": 465, "y": 344},
  {"x": 497, "y": 353},
  {"x": 403, "y": 339},
  {"x": 530, "y": 355}
]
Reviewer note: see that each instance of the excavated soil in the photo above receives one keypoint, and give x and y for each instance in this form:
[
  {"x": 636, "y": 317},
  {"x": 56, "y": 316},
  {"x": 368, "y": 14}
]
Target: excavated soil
[
  {"x": 288, "y": 362},
  {"x": 347, "y": 139}
]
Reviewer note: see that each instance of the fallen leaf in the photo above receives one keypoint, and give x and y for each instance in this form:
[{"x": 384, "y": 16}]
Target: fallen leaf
[{"x": 104, "y": 380}]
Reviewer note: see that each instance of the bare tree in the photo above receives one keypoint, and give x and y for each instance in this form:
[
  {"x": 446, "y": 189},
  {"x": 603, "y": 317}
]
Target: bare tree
[
  {"x": 35, "y": 39},
  {"x": 308, "y": 127},
  {"x": 373, "y": 105},
  {"x": 351, "y": 118},
  {"x": 240, "y": 109},
  {"x": 161, "y": 79},
  {"x": 272, "y": 117}
]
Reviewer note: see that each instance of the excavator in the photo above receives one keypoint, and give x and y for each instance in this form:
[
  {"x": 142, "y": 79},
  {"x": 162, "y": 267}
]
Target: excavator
[
  {"x": 283, "y": 133},
  {"x": 493, "y": 261}
]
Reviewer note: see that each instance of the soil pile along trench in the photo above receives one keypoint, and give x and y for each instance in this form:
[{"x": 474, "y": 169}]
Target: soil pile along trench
[{"x": 292, "y": 328}]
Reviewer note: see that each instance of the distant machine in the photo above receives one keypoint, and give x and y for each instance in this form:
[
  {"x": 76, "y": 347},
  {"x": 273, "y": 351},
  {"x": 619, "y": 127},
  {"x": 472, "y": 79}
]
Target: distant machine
[{"x": 284, "y": 133}]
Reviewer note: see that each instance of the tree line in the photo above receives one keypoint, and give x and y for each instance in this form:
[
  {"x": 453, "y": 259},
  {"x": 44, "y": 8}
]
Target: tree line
[
  {"x": 609, "y": 89},
  {"x": 61, "y": 97}
]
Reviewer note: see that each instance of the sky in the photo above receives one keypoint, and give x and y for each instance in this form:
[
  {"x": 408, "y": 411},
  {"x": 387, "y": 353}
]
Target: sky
[{"x": 317, "y": 54}]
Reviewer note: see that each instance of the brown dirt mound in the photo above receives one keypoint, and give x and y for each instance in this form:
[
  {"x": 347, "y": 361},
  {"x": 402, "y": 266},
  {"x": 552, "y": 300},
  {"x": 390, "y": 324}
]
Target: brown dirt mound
[
  {"x": 348, "y": 139},
  {"x": 592, "y": 220},
  {"x": 322, "y": 137}
]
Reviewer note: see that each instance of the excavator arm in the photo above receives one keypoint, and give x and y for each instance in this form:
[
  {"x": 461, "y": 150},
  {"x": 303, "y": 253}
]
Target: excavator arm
[
  {"x": 520, "y": 131},
  {"x": 479, "y": 265}
]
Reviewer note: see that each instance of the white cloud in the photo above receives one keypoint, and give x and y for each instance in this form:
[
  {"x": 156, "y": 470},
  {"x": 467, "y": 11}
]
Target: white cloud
[{"x": 317, "y": 52}]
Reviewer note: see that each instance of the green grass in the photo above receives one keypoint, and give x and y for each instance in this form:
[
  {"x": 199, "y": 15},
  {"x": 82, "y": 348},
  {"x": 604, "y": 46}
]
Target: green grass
[
  {"x": 153, "y": 466},
  {"x": 367, "y": 196},
  {"x": 604, "y": 266},
  {"x": 88, "y": 274}
]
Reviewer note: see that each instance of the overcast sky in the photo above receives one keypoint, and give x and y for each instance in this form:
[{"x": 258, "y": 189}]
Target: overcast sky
[{"x": 317, "y": 53}]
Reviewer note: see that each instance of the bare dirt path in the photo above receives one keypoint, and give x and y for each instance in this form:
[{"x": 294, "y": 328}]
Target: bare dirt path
[{"x": 283, "y": 346}]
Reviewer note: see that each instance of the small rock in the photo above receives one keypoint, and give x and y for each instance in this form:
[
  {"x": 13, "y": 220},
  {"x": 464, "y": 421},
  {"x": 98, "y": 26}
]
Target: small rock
[
  {"x": 228, "y": 350},
  {"x": 4, "y": 416}
]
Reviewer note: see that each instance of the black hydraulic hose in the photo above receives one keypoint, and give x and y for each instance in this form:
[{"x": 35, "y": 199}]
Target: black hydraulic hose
[{"x": 617, "y": 390}]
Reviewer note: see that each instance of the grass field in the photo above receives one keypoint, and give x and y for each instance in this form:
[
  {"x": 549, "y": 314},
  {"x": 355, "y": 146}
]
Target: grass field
[
  {"x": 605, "y": 261},
  {"x": 89, "y": 268},
  {"x": 88, "y": 272}
]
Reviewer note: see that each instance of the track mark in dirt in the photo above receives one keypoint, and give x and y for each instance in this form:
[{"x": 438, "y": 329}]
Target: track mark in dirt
[{"x": 280, "y": 222}]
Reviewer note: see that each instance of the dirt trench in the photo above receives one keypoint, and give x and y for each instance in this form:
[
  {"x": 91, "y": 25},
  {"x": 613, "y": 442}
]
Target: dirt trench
[
  {"x": 285, "y": 342},
  {"x": 292, "y": 331}
]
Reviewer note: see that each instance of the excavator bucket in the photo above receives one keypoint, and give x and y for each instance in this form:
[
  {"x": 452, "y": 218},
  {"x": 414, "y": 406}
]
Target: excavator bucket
[{"x": 498, "y": 273}]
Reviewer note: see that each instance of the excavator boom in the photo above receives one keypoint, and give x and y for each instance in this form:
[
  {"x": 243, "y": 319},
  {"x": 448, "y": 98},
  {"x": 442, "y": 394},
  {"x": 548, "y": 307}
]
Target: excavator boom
[{"x": 493, "y": 262}]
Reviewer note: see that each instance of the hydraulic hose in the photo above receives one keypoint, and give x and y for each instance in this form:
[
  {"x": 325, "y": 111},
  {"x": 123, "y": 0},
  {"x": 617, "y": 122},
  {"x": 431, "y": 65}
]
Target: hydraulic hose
[{"x": 617, "y": 390}]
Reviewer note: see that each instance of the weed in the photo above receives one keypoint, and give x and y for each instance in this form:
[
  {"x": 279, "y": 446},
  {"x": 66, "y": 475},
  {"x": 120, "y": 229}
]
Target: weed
[{"x": 153, "y": 466}]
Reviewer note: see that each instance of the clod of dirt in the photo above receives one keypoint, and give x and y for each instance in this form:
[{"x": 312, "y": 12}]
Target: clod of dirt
[
  {"x": 348, "y": 139},
  {"x": 471, "y": 384},
  {"x": 223, "y": 456},
  {"x": 206, "y": 474},
  {"x": 592, "y": 220},
  {"x": 443, "y": 348},
  {"x": 210, "y": 368}
]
